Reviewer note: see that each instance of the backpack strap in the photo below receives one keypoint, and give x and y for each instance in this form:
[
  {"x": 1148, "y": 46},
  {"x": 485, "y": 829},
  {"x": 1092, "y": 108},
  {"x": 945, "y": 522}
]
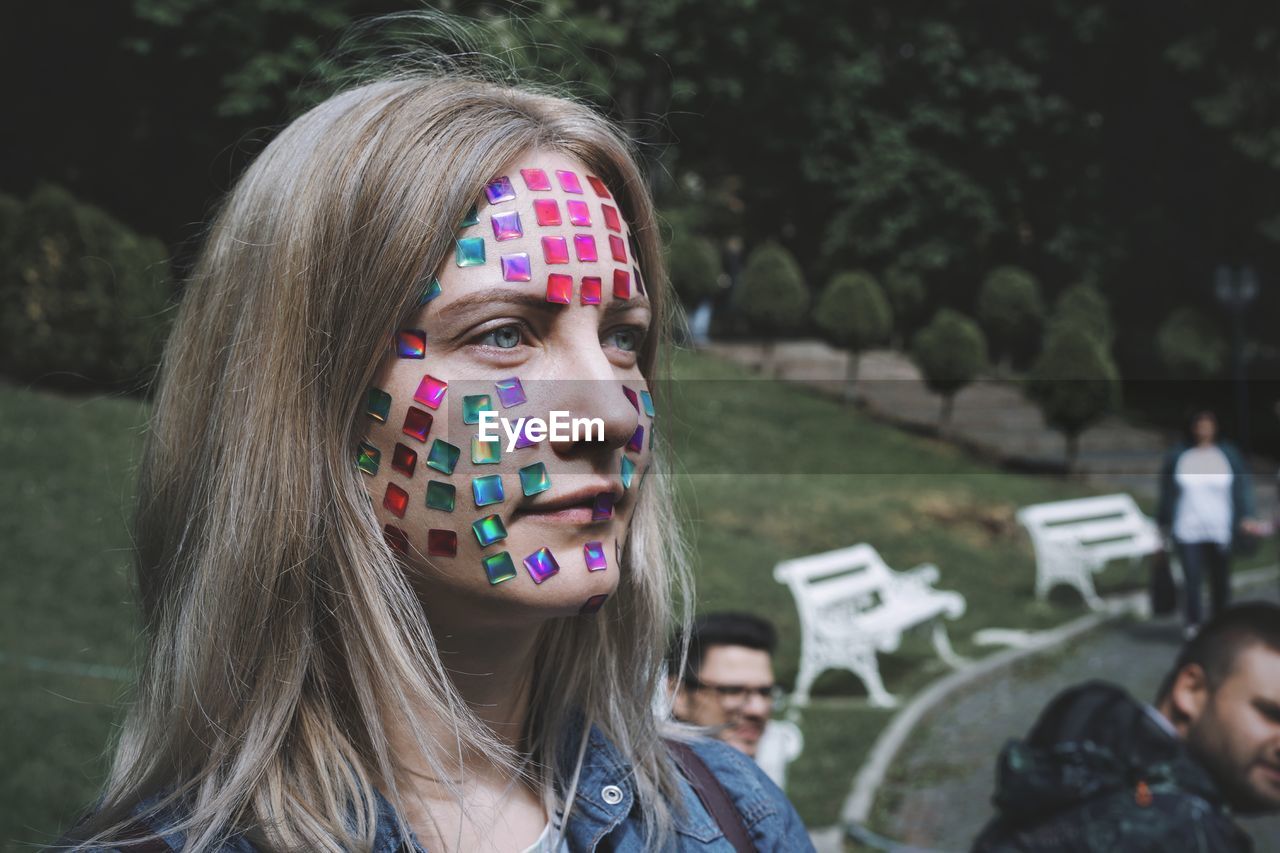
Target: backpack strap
[{"x": 712, "y": 794}]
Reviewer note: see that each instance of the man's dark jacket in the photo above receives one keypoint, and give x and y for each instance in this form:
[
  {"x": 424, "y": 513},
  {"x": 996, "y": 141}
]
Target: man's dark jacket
[{"x": 1099, "y": 773}]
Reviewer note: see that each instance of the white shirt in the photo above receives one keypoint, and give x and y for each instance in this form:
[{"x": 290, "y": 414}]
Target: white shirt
[
  {"x": 546, "y": 841},
  {"x": 1203, "y": 513}
]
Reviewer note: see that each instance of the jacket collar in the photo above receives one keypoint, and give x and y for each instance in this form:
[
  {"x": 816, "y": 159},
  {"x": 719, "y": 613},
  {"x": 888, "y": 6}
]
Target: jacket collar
[{"x": 597, "y": 808}]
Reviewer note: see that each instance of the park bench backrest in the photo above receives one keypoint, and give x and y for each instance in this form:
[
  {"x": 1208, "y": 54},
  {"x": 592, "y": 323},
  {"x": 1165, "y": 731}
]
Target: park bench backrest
[
  {"x": 1108, "y": 527},
  {"x": 856, "y": 573}
]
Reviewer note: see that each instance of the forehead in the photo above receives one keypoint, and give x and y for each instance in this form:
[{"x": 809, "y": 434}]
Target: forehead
[
  {"x": 722, "y": 662},
  {"x": 546, "y": 223},
  {"x": 1256, "y": 673}
]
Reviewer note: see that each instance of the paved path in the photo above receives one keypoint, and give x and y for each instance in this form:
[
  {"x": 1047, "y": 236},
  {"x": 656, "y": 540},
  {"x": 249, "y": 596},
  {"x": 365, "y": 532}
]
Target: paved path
[
  {"x": 938, "y": 790},
  {"x": 990, "y": 416}
]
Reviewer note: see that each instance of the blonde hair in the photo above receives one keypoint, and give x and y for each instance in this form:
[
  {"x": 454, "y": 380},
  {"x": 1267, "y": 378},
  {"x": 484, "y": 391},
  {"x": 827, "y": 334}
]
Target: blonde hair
[{"x": 280, "y": 629}]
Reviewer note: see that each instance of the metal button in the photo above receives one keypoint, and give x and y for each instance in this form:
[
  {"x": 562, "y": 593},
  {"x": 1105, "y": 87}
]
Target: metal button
[{"x": 611, "y": 794}]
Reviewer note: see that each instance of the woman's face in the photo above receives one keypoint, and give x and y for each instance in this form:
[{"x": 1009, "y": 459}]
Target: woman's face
[
  {"x": 528, "y": 322},
  {"x": 1205, "y": 429}
]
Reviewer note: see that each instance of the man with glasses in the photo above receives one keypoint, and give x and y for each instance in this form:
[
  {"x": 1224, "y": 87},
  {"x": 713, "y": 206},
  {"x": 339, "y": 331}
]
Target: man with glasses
[{"x": 728, "y": 680}]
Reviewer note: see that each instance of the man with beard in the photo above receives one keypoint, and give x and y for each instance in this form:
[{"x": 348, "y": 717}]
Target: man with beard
[
  {"x": 1101, "y": 771},
  {"x": 728, "y": 681}
]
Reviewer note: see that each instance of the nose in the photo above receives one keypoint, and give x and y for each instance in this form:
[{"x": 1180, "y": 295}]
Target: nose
[
  {"x": 757, "y": 706},
  {"x": 588, "y": 385}
]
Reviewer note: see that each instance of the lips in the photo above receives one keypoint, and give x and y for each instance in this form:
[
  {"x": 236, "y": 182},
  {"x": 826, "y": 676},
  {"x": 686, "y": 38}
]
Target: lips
[{"x": 570, "y": 507}]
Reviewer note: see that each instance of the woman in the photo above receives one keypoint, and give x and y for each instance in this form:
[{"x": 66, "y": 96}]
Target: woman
[
  {"x": 366, "y": 627},
  {"x": 1206, "y": 502}
]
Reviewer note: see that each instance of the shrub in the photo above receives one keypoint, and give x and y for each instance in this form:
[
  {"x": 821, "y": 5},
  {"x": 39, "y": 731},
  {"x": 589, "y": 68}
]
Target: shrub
[
  {"x": 950, "y": 352},
  {"x": 1083, "y": 307},
  {"x": 1074, "y": 382},
  {"x": 1010, "y": 310},
  {"x": 772, "y": 296},
  {"x": 85, "y": 296},
  {"x": 906, "y": 294},
  {"x": 1190, "y": 346},
  {"x": 854, "y": 314},
  {"x": 694, "y": 266}
]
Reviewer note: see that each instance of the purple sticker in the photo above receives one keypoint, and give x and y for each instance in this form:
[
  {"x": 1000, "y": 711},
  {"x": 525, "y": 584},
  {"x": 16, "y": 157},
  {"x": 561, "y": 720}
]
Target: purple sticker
[
  {"x": 636, "y": 443},
  {"x": 506, "y": 226},
  {"x": 510, "y": 392},
  {"x": 593, "y": 552},
  {"x": 499, "y": 190},
  {"x": 516, "y": 267},
  {"x": 603, "y": 507},
  {"x": 594, "y": 603},
  {"x": 541, "y": 564}
]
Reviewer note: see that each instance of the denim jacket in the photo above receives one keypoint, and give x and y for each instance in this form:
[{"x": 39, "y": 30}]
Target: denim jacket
[{"x": 604, "y": 816}]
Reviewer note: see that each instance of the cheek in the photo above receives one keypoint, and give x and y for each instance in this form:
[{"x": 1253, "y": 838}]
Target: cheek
[{"x": 447, "y": 501}]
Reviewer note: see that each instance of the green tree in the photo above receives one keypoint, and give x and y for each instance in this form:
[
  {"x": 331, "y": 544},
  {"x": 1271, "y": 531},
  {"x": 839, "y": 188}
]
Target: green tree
[
  {"x": 85, "y": 296},
  {"x": 1010, "y": 310},
  {"x": 772, "y": 296},
  {"x": 854, "y": 314},
  {"x": 1082, "y": 306},
  {"x": 906, "y": 294},
  {"x": 951, "y": 351},
  {"x": 1190, "y": 346},
  {"x": 1074, "y": 382},
  {"x": 694, "y": 266}
]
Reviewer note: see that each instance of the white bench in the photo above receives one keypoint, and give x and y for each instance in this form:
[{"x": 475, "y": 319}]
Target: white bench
[
  {"x": 781, "y": 744},
  {"x": 852, "y": 606},
  {"x": 1076, "y": 538}
]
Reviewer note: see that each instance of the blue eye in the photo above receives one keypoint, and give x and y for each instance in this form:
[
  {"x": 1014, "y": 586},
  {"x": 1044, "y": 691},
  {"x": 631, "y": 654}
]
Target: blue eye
[
  {"x": 627, "y": 340},
  {"x": 503, "y": 337}
]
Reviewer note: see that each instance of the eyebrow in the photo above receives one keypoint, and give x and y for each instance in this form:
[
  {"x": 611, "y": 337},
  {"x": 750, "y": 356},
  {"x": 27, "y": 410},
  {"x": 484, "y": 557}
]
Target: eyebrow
[
  {"x": 1268, "y": 708},
  {"x": 507, "y": 295},
  {"x": 534, "y": 299}
]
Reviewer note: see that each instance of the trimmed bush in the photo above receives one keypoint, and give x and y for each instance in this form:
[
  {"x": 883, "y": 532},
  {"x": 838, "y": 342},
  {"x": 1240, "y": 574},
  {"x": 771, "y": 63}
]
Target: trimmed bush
[
  {"x": 950, "y": 352},
  {"x": 1010, "y": 310},
  {"x": 1082, "y": 306},
  {"x": 906, "y": 294},
  {"x": 1074, "y": 382},
  {"x": 694, "y": 266},
  {"x": 1190, "y": 345},
  {"x": 854, "y": 314},
  {"x": 772, "y": 296},
  {"x": 85, "y": 296}
]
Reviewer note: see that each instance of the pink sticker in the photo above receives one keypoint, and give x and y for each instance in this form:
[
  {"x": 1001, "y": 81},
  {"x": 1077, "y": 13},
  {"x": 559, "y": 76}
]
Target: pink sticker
[
  {"x": 579, "y": 213},
  {"x": 618, "y": 249},
  {"x": 547, "y": 211},
  {"x": 555, "y": 250},
  {"x": 585, "y": 247},
  {"x": 536, "y": 179},
  {"x": 597, "y": 185},
  {"x": 589, "y": 294},
  {"x": 621, "y": 284},
  {"x": 611, "y": 220},
  {"x": 560, "y": 288},
  {"x": 568, "y": 182}
]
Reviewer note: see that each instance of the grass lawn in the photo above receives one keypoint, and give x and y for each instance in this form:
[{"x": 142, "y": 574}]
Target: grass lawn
[{"x": 767, "y": 472}]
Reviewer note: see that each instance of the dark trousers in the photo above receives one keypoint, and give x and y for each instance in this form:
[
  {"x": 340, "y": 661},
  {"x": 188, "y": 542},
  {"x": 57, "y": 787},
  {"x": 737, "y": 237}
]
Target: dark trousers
[{"x": 1199, "y": 559}]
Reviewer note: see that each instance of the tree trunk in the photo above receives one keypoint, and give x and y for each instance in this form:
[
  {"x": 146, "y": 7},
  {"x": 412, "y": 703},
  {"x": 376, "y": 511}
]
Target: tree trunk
[
  {"x": 851, "y": 377},
  {"x": 944, "y": 420},
  {"x": 769, "y": 367},
  {"x": 1073, "y": 451}
]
